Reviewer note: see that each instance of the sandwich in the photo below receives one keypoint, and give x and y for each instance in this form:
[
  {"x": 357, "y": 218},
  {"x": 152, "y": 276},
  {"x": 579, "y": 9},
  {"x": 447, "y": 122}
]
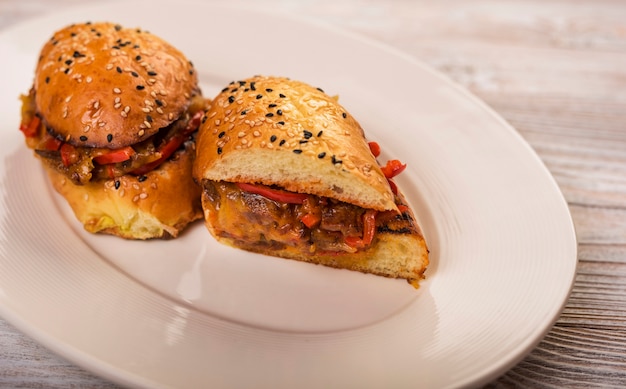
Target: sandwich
[
  {"x": 286, "y": 171},
  {"x": 112, "y": 114}
]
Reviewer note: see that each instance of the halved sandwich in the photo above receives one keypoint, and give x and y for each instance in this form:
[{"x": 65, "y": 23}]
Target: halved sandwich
[
  {"x": 112, "y": 114},
  {"x": 286, "y": 171}
]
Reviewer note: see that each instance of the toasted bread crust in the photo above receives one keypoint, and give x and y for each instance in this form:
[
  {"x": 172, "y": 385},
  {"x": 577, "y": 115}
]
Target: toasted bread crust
[{"x": 277, "y": 131}]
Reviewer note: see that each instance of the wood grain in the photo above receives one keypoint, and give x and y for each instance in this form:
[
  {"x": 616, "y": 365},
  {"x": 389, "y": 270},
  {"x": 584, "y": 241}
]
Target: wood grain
[{"x": 555, "y": 70}]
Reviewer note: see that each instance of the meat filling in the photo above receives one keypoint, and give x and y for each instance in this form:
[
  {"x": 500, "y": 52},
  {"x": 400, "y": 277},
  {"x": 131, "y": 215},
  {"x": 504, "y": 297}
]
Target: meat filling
[
  {"x": 83, "y": 164},
  {"x": 309, "y": 223}
]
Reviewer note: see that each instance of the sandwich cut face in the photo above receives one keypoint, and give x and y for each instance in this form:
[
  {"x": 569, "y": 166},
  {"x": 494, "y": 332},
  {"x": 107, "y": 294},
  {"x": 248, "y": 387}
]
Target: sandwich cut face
[{"x": 286, "y": 171}]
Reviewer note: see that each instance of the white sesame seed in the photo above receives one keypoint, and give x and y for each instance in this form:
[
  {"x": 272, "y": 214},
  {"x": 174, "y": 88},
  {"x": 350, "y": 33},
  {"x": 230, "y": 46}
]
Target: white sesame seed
[
  {"x": 68, "y": 98},
  {"x": 109, "y": 66},
  {"x": 96, "y": 105},
  {"x": 163, "y": 92},
  {"x": 122, "y": 192},
  {"x": 141, "y": 132},
  {"x": 151, "y": 81},
  {"x": 136, "y": 198},
  {"x": 87, "y": 128},
  {"x": 256, "y": 133},
  {"x": 86, "y": 196},
  {"x": 143, "y": 195},
  {"x": 118, "y": 106},
  {"x": 126, "y": 109},
  {"x": 153, "y": 94},
  {"x": 117, "y": 100},
  {"x": 136, "y": 186},
  {"x": 170, "y": 116},
  {"x": 148, "y": 102},
  {"x": 123, "y": 113},
  {"x": 241, "y": 134},
  {"x": 159, "y": 110},
  {"x": 117, "y": 90},
  {"x": 147, "y": 109},
  {"x": 88, "y": 79},
  {"x": 217, "y": 122},
  {"x": 147, "y": 124}
]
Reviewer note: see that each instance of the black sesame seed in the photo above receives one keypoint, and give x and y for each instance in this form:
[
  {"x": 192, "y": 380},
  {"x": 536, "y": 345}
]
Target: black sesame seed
[
  {"x": 344, "y": 115},
  {"x": 158, "y": 102},
  {"x": 117, "y": 184},
  {"x": 152, "y": 73},
  {"x": 78, "y": 54},
  {"x": 118, "y": 27},
  {"x": 142, "y": 178},
  {"x": 259, "y": 96},
  {"x": 242, "y": 83},
  {"x": 83, "y": 138},
  {"x": 219, "y": 150},
  {"x": 47, "y": 80},
  {"x": 190, "y": 72},
  {"x": 224, "y": 90},
  {"x": 268, "y": 90},
  {"x": 135, "y": 46},
  {"x": 297, "y": 151},
  {"x": 231, "y": 99},
  {"x": 116, "y": 47},
  {"x": 269, "y": 115},
  {"x": 320, "y": 133},
  {"x": 221, "y": 134},
  {"x": 303, "y": 141},
  {"x": 279, "y": 112},
  {"x": 281, "y": 123},
  {"x": 149, "y": 118},
  {"x": 109, "y": 137},
  {"x": 247, "y": 89},
  {"x": 204, "y": 118},
  {"x": 138, "y": 58},
  {"x": 234, "y": 90},
  {"x": 335, "y": 160},
  {"x": 321, "y": 155},
  {"x": 307, "y": 134},
  {"x": 68, "y": 62},
  {"x": 271, "y": 106},
  {"x": 244, "y": 112},
  {"x": 140, "y": 87},
  {"x": 273, "y": 138},
  {"x": 252, "y": 86},
  {"x": 282, "y": 96},
  {"x": 119, "y": 69},
  {"x": 73, "y": 34},
  {"x": 282, "y": 142},
  {"x": 134, "y": 74},
  {"x": 66, "y": 70},
  {"x": 320, "y": 89}
]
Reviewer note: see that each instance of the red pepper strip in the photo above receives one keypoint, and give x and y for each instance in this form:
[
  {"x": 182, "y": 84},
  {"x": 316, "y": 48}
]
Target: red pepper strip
[
  {"x": 310, "y": 220},
  {"x": 115, "y": 156},
  {"x": 374, "y": 148},
  {"x": 52, "y": 144},
  {"x": 369, "y": 229},
  {"x": 172, "y": 144},
  {"x": 30, "y": 130},
  {"x": 273, "y": 194},
  {"x": 393, "y": 168},
  {"x": 166, "y": 151},
  {"x": 69, "y": 155},
  {"x": 393, "y": 186}
]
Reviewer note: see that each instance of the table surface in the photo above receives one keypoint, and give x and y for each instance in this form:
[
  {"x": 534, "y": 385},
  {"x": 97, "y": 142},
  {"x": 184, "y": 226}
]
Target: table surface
[{"x": 555, "y": 70}]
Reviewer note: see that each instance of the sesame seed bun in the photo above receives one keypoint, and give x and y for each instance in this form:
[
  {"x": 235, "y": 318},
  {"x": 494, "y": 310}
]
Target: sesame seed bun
[
  {"x": 102, "y": 85},
  {"x": 277, "y": 131},
  {"x": 157, "y": 205}
]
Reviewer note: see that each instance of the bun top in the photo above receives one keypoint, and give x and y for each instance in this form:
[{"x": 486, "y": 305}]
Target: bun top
[
  {"x": 276, "y": 131},
  {"x": 102, "y": 85}
]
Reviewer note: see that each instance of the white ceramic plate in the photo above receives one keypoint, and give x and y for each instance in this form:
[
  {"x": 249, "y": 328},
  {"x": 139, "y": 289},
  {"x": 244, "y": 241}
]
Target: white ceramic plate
[{"x": 193, "y": 313}]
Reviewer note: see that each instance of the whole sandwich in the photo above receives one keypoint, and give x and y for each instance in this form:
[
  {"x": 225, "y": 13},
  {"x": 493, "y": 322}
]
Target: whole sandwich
[
  {"x": 112, "y": 114},
  {"x": 286, "y": 171}
]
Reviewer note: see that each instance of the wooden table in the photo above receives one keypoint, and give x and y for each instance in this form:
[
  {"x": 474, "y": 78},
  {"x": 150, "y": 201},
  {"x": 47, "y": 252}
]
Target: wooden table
[{"x": 556, "y": 70}]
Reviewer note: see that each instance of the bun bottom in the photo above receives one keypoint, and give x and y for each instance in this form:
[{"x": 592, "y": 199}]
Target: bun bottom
[
  {"x": 401, "y": 255},
  {"x": 159, "y": 205}
]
